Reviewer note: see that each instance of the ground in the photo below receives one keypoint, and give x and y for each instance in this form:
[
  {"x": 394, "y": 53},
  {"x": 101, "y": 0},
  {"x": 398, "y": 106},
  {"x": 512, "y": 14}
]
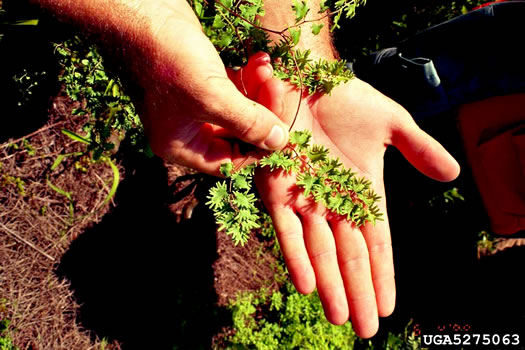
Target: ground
[
  {"x": 68, "y": 260},
  {"x": 149, "y": 270}
]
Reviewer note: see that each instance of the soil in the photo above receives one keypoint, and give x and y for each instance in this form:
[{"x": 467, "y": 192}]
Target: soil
[
  {"x": 147, "y": 270},
  {"x": 150, "y": 271}
]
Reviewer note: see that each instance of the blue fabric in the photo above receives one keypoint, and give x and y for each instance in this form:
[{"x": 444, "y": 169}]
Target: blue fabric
[{"x": 472, "y": 57}]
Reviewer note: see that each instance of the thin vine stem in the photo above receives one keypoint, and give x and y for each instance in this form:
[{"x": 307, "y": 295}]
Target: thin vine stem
[{"x": 288, "y": 42}]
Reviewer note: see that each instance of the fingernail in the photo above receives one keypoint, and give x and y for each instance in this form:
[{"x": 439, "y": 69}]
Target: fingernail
[
  {"x": 264, "y": 58},
  {"x": 275, "y": 138}
]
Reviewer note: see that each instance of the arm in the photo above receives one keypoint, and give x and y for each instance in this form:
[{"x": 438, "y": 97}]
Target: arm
[
  {"x": 188, "y": 105},
  {"x": 280, "y": 16},
  {"x": 352, "y": 267}
]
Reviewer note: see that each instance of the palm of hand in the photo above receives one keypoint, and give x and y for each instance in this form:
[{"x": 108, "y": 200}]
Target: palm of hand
[{"x": 352, "y": 267}]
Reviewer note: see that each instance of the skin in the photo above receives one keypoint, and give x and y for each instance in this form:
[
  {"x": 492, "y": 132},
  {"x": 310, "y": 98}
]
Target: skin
[
  {"x": 352, "y": 267},
  {"x": 192, "y": 106},
  {"x": 186, "y": 99}
]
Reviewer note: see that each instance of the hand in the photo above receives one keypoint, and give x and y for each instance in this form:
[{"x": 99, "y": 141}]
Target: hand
[
  {"x": 190, "y": 107},
  {"x": 352, "y": 267}
]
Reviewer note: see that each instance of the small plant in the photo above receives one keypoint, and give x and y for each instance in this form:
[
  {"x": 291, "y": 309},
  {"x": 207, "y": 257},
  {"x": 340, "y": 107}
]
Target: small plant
[
  {"x": 6, "y": 343},
  {"x": 486, "y": 243},
  {"x": 284, "y": 320},
  {"x": 7, "y": 180},
  {"x": 234, "y": 29},
  {"x": 321, "y": 178},
  {"x": 26, "y": 82},
  {"x": 111, "y": 115},
  {"x": 236, "y": 32}
]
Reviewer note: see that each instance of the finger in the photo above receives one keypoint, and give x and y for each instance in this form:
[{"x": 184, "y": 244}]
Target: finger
[
  {"x": 379, "y": 244},
  {"x": 354, "y": 265},
  {"x": 251, "y": 77},
  {"x": 257, "y": 72},
  {"x": 290, "y": 235},
  {"x": 247, "y": 120},
  {"x": 203, "y": 151},
  {"x": 422, "y": 151},
  {"x": 221, "y": 132},
  {"x": 271, "y": 95},
  {"x": 322, "y": 251}
]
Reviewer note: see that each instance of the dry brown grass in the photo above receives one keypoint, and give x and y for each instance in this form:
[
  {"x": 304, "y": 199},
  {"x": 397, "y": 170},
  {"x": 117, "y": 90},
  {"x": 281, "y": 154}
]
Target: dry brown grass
[{"x": 36, "y": 228}]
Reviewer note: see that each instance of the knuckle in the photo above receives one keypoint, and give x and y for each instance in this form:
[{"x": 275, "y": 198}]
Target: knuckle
[
  {"x": 381, "y": 248},
  {"x": 323, "y": 255},
  {"x": 285, "y": 236},
  {"x": 354, "y": 264}
]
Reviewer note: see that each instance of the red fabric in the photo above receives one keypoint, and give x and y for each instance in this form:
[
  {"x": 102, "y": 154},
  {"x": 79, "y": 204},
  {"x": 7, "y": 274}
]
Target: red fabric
[
  {"x": 493, "y": 132},
  {"x": 487, "y": 4}
]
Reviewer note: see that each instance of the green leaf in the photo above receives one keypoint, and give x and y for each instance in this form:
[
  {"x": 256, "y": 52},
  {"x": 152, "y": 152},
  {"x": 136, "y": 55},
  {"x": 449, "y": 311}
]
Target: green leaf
[
  {"x": 317, "y": 153},
  {"x": 59, "y": 190},
  {"x": 227, "y": 3},
  {"x": 301, "y": 139},
  {"x": 240, "y": 182},
  {"x": 316, "y": 28},
  {"x": 198, "y": 8},
  {"x": 295, "y": 34},
  {"x": 301, "y": 9},
  {"x": 226, "y": 169},
  {"x": 116, "y": 180},
  {"x": 25, "y": 22},
  {"x": 307, "y": 182},
  {"x": 278, "y": 160},
  {"x": 335, "y": 202},
  {"x": 323, "y": 6},
  {"x": 350, "y": 10},
  {"x": 218, "y": 196},
  {"x": 225, "y": 39},
  {"x": 243, "y": 200},
  {"x": 76, "y": 137},
  {"x": 218, "y": 23},
  {"x": 57, "y": 161}
]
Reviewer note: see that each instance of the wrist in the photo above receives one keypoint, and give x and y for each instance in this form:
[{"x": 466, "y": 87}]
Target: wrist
[{"x": 279, "y": 16}]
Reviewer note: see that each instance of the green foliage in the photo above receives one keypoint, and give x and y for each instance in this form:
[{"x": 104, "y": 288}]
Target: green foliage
[
  {"x": 26, "y": 82},
  {"x": 486, "y": 241},
  {"x": 233, "y": 205},
  {"x": 301, "y": 9},
  {"x": 316, "y": 76},
  {"x": 111, "y": 115},
  {"x": 8, "y": 180},
  {"x": 405, "y": 340},
  {"x": 236, "y": 32},
  {"x": 231, "y": 25},
  {"x": 6, "y": 343},
  {"x": 326, "y": 180},
  {"x": 447, "y": 201},
  {"x": 322, "y": 179},
  {"x": 284, "y": 320}
]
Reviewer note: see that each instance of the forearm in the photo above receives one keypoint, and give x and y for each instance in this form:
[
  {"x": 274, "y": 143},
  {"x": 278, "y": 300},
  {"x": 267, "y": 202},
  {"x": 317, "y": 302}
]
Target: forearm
[
  {"x": 279, "y": 15},
  {"x": 124, "y": 29}
]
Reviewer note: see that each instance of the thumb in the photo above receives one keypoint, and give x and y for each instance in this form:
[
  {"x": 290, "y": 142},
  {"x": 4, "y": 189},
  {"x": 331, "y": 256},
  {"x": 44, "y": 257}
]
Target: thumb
[
  {"x": 246, "y": 119},
  {"x": 424, "y": 152}
]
